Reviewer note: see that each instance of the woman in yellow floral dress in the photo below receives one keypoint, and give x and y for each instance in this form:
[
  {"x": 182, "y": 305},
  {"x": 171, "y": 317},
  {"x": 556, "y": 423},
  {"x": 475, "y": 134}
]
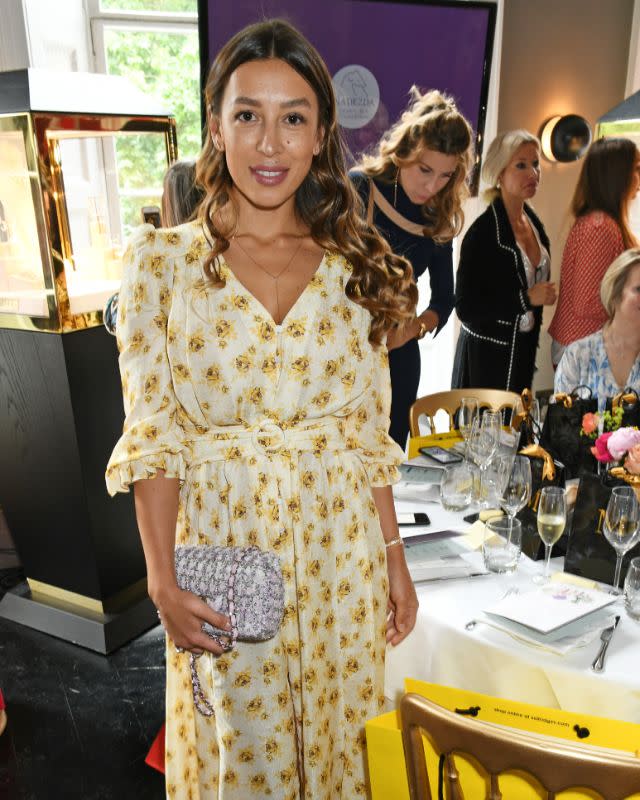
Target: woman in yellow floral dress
[{"x": 256, "y": 388}]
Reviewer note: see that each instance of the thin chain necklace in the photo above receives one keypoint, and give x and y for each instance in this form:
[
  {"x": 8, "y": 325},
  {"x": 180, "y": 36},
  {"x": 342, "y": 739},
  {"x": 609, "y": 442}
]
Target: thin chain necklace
[{"x": 273, "y": 277}]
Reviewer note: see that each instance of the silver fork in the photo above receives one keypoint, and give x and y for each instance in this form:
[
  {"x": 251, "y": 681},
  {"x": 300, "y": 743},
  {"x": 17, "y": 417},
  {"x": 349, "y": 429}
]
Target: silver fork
[{"x": 473, "y": 622}]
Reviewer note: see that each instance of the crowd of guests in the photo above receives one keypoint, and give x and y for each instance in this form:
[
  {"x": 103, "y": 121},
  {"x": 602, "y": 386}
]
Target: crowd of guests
[
  {"x": 503, "y": 278},
  {"x": 413, "y": 186}
]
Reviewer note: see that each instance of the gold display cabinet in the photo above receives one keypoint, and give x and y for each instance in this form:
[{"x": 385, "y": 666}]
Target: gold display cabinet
[
  {"x": 68, "y": 198},
  {"x": 624, "y": 120}
]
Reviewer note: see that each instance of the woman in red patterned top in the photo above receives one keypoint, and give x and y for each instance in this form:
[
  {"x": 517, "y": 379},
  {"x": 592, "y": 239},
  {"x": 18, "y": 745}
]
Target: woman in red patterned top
[{"x": 608, "y": 181}]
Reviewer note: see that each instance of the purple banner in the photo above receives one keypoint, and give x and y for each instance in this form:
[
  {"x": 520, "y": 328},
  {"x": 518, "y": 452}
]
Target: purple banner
[{"x": 375, "y": 51}]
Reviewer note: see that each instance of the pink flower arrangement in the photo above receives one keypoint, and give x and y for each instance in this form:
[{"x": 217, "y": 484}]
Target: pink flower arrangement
[
  {"x": 621, "y": 441},
  {"x": 614, "y": 445},
  {"x": 632, "y": 461},
  {"x": 600, "y": 450}
]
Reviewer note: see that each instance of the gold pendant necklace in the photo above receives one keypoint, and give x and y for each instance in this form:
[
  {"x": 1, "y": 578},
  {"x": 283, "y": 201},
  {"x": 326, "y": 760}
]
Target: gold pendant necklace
[{"x": 273, "y": 277}]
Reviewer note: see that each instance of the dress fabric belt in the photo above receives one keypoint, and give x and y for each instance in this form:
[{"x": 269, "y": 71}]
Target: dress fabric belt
[{"x": 268, "y": 437}]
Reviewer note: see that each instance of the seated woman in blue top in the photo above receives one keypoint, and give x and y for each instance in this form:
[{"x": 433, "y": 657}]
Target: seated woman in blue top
[
  {"x": 608, "y": 360},
  {"x": 413, "y": 188}
]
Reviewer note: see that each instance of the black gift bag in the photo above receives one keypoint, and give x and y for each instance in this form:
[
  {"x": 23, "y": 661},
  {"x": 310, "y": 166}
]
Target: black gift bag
[
  {"x": 544, "y": 472},
  {"x": 589, "y": 554},
  {"x": 630, "y": 403},
  {"x": 561, "y": 432}
]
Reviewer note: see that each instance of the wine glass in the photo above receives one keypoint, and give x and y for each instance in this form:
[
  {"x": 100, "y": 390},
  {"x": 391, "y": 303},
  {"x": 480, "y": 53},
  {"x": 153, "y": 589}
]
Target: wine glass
[
  {"x": 482, "y": 445},
  {"x": 632, "y": 589},
  {"x": 552, "y": 517},
  {"x": 514, "y": 484},
  {"x": 469, "y": 409},
  {"x": 621, "y": 526}
]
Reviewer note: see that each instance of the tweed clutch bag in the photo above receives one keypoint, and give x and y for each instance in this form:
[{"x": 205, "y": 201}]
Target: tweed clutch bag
[{"x": 243, "y": 583}]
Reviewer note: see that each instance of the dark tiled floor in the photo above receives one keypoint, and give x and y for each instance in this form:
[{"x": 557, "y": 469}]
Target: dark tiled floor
[{"x": 80, "y": 724}]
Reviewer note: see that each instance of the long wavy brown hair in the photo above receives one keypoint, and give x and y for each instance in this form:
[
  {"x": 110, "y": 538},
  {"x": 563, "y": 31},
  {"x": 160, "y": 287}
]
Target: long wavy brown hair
[
  {"x": 605, "y": 182},
  {"x": 432, "y": 121},
  {"x": 326, "y": 201}
]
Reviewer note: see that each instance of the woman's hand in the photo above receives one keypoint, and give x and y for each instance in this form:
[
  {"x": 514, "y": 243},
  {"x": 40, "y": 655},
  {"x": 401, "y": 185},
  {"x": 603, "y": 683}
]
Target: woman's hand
[
  {"x": 403, "y": 601},
  {"x": 182, "y": 614},
  {"x": 542, "y": 294},
  {"x": 400, "y": 336}
]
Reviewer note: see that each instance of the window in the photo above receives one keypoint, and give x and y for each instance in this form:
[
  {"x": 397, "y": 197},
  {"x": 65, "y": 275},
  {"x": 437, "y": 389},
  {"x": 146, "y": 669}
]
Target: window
[{"x": 154, "y": 44}]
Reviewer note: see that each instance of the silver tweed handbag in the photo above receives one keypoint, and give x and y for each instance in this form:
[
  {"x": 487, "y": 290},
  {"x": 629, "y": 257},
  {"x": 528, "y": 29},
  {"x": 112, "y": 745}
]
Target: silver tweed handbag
[{"x": 243, "y": 583}]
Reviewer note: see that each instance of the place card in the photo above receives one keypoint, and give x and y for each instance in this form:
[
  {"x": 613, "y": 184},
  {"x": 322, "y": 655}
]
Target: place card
[
  {"x": 434, "y": 556},
  {"x": 551, "y": 605}
]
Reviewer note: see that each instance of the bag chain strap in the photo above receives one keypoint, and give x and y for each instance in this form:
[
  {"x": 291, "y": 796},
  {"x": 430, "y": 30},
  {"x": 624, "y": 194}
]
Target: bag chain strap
[{"x": 199, "y": 699}]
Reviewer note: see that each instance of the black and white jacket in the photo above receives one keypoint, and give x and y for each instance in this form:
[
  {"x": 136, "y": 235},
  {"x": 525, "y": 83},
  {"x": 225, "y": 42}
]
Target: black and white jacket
[{"x": 491, "y": 282}]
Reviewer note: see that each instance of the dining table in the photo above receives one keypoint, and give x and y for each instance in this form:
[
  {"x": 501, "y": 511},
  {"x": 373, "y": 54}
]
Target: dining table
[{"x": 443, "y": 650}]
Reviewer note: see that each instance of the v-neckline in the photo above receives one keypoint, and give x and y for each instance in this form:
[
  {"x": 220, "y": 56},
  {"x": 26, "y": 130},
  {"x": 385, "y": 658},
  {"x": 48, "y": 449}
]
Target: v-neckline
[
  {"x": 265, "y": 312},
  {"x": 538, "y": 241},
  {"x": 614, "y": 381}
]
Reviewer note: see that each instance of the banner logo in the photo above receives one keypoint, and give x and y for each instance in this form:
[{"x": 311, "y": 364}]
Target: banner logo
[{"x": 357, "y": 95}]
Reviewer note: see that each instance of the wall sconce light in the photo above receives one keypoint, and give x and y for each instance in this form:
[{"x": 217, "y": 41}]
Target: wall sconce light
[{"x": 565, "y": 138}]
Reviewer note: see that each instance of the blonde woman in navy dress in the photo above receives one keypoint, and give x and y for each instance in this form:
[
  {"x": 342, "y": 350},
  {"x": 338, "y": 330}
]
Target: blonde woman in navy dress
[{"x": 413, "y": 188}]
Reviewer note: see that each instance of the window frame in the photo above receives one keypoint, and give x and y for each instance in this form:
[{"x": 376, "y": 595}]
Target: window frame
[{"x": 98, "y": 20}]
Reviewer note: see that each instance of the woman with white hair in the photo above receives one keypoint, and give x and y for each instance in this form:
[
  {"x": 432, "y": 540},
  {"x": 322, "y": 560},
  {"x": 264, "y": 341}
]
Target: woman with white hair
[
  {"x": 608, "y": 360},
  {"x": 503, "y": 275}
]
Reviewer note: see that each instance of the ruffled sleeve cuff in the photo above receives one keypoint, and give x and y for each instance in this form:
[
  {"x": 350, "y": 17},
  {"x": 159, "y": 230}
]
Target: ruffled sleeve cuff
[
  {"x": 121, "y": 474},
  {"x": 381, "y": 462},
  {"x": 382, "y": 474}
]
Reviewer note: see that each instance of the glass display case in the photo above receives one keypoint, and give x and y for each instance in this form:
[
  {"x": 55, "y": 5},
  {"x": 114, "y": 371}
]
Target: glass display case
[
  {"x": 624, "y": 120},
  {"x": 71, "y": 150},
  {"x": 68, "y": 191}
]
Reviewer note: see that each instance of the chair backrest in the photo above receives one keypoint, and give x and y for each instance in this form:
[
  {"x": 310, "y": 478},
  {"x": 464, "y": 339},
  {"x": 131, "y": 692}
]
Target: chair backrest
[
  {"x": 430, "y": 404},
  {"x": 554, "y": 764}
]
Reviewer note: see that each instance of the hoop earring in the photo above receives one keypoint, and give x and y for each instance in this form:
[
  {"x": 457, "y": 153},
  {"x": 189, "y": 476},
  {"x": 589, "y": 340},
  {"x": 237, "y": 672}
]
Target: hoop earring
[{"x": 395, "y": 188}]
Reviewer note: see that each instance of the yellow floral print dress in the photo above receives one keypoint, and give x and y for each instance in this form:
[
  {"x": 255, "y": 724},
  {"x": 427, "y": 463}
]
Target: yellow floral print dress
[{"x": 277, "y": 433}]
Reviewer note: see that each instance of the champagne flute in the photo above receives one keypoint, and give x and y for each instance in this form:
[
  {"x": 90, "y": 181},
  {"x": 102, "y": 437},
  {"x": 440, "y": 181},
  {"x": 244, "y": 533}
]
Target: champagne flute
[
  {"x": 621, "y": 526},
  {"x": 552, "y": 517},
  {"x": 514, "y": 484},
  {"x": 469, "y": 410}
]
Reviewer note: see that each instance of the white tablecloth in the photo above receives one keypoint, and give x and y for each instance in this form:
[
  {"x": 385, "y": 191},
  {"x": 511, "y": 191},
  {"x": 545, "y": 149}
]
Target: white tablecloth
[{"x": 440, "y": 650}]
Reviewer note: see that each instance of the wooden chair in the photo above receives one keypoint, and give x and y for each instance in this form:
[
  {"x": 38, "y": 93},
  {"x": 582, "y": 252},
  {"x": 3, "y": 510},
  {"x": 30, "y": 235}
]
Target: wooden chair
[
  {"x": 430, "y": 404},
  {"x": 554, "y": 764}
]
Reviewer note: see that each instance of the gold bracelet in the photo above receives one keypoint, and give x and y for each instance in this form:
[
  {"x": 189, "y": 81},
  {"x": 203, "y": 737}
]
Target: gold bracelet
[
  {"x": 423, "y": 331},
  {"x": 397, "y": 540}
]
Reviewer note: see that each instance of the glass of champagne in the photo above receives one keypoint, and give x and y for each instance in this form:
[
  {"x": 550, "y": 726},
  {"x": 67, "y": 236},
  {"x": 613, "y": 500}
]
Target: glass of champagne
[
  {"x": 514, "y": 484},
  {"x": 552, "y": 517},
  {"x": 469, "y": 409},
  {"x": 621, "y": 526}
]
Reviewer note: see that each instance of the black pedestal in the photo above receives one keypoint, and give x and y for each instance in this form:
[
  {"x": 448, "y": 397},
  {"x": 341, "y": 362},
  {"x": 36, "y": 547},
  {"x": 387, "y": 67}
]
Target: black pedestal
[
  {"x": 60, "y": 416},
  {"x": 100, "y": 632}
]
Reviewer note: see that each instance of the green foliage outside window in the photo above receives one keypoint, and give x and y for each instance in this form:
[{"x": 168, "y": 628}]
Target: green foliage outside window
[
  {"x": 167, "y": 6},
  {"x": 166, "y": 66}
]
